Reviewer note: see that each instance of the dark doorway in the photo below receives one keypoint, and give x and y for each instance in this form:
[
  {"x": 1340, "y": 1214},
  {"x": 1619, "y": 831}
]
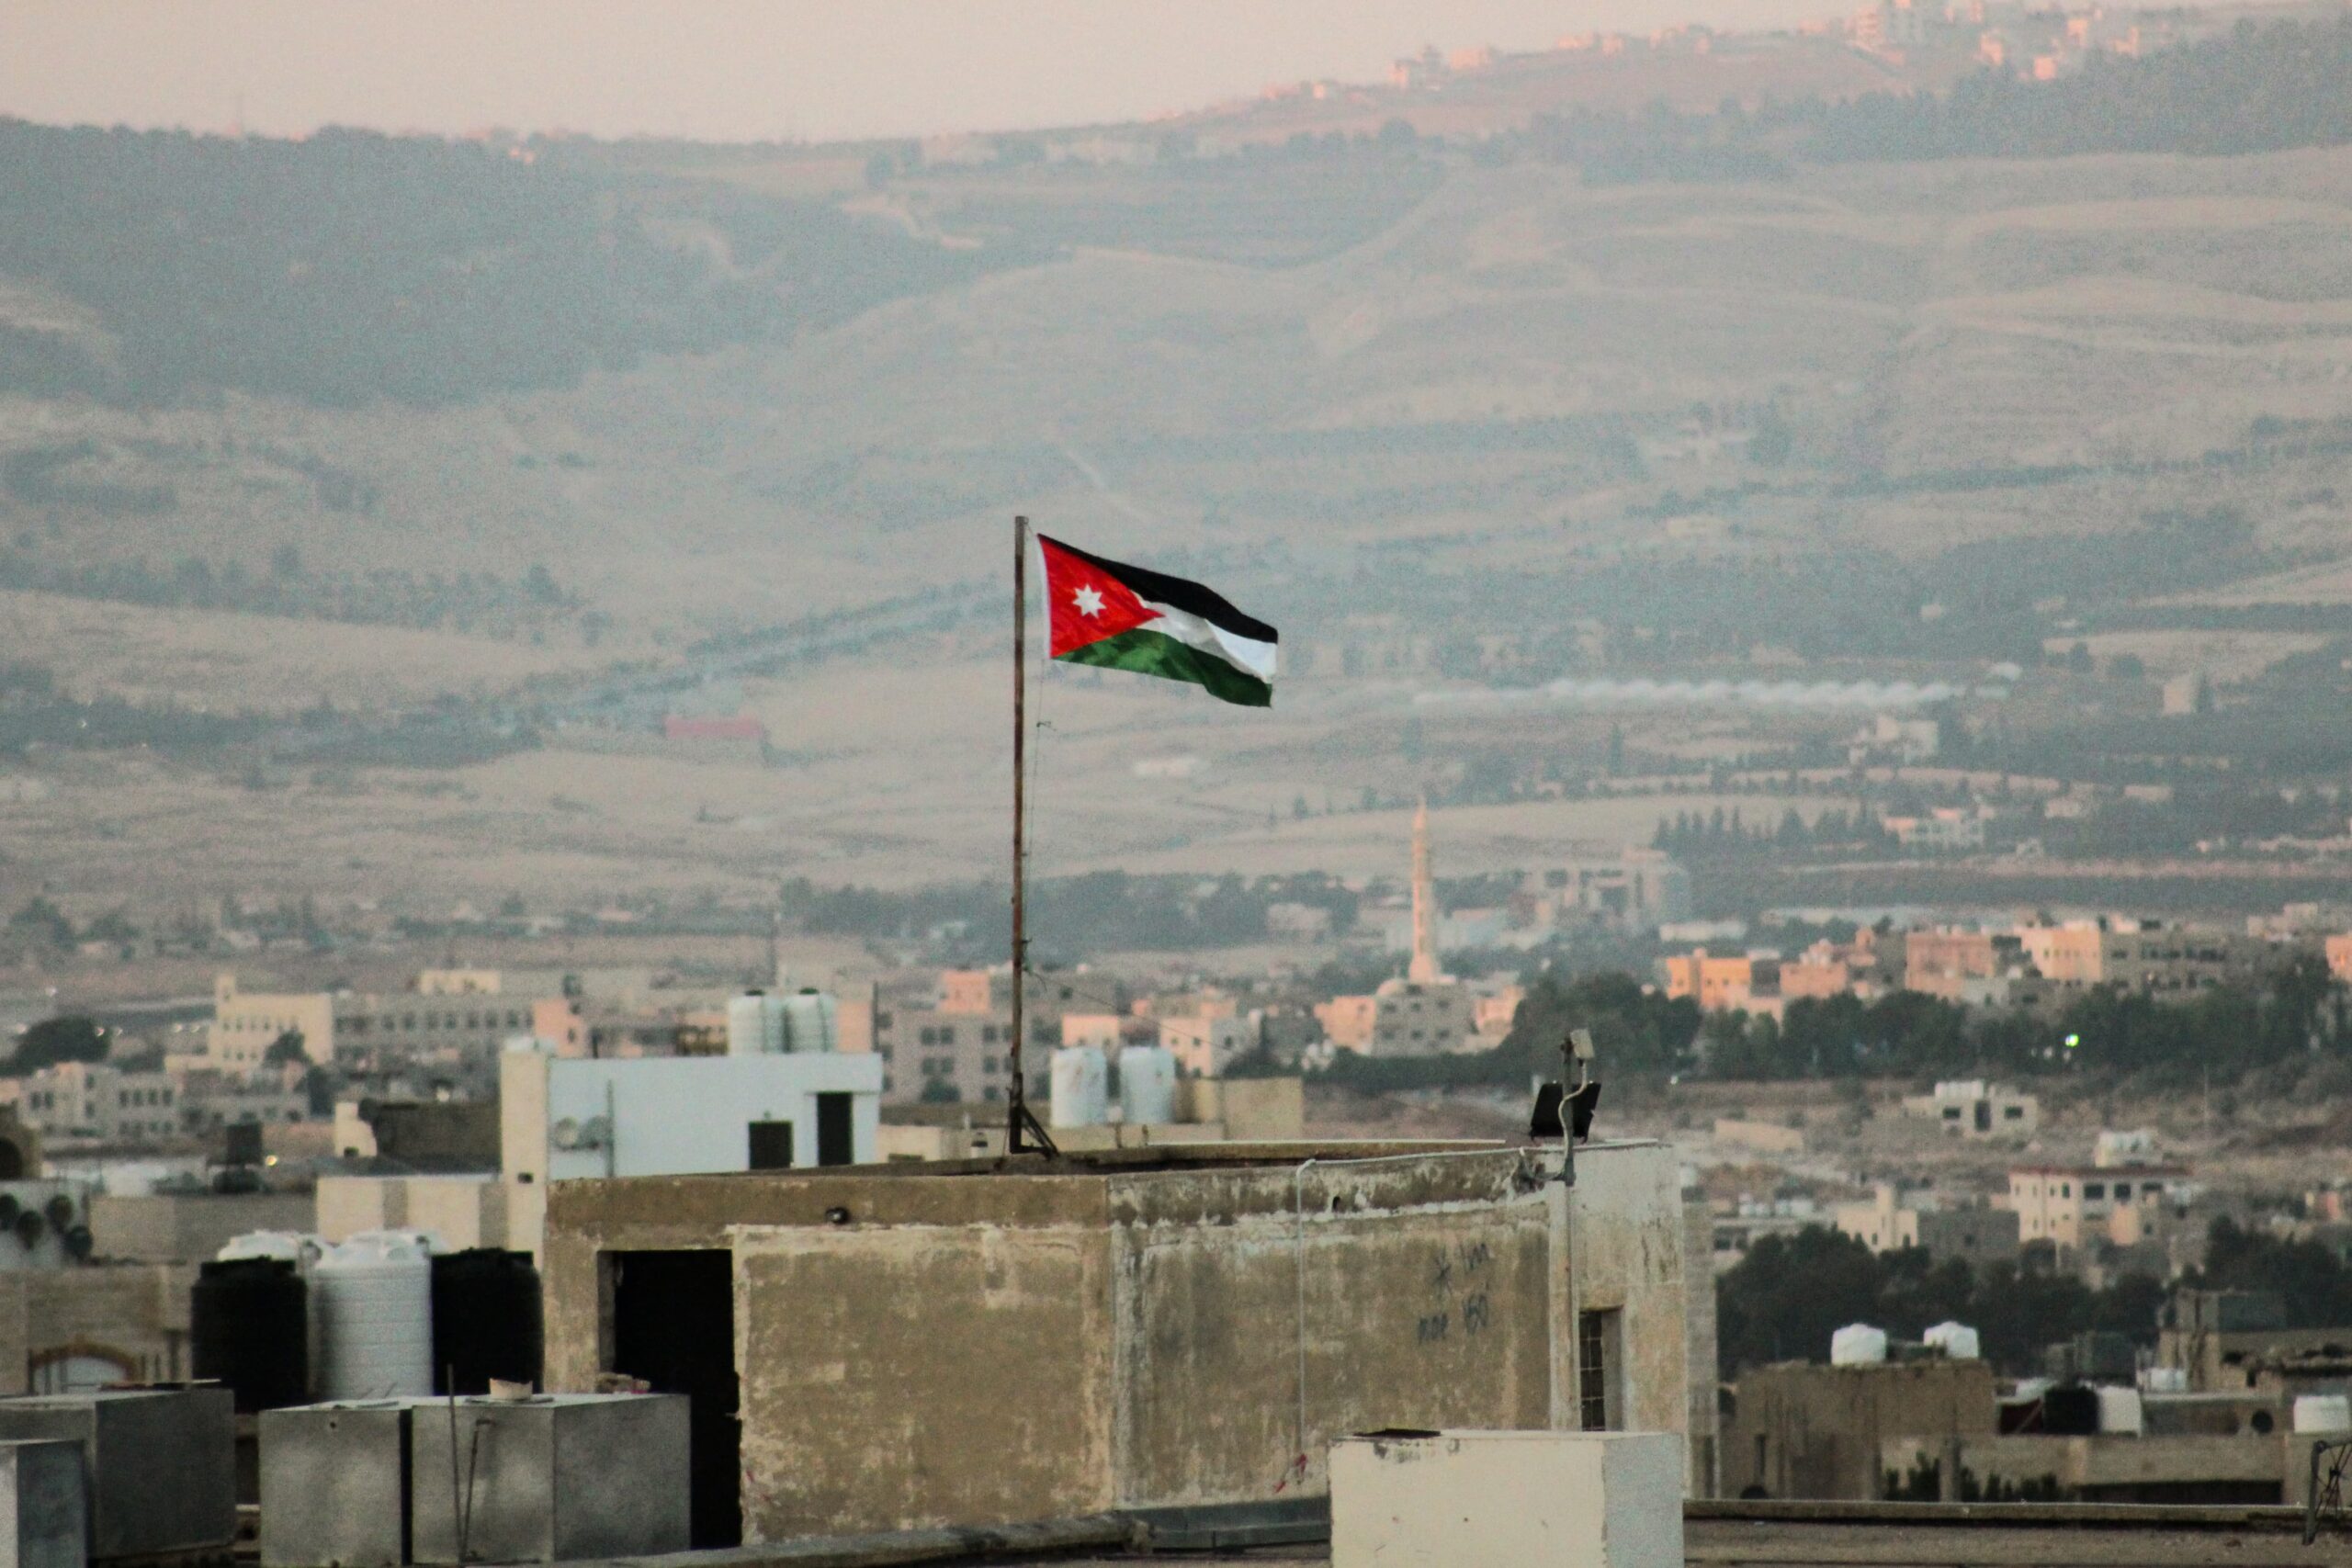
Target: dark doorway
[
  {"x": 673, "y": 1325},
  {"x": 834, "y": 1143},
  {"x": 770, "y": 1145}
]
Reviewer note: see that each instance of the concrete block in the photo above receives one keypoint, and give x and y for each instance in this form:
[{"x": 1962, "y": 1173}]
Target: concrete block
[
  {"x": 159, "y": 1465},
  {"x": 549, "y": 1478},
  {"x": 1467, "y": 1499},
  {"x": 333, "y": 1491},
  {"x": 44, "y": 1508}
]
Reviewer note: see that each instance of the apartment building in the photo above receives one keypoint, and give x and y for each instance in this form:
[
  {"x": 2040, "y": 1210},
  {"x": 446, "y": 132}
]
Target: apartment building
[
  {"x": 2145, "y": 956},
  {"x": 90, "y": 1100},
  {"x": 1402, "y": 1017},
  {"x": 1747, "y": 982},
  {"x": 1890, "y": 1220},
  {"x": 1630, "y": 889},
  {"x": 1971, "y": 1107},
  {"x": 2073, "y": 1206}
]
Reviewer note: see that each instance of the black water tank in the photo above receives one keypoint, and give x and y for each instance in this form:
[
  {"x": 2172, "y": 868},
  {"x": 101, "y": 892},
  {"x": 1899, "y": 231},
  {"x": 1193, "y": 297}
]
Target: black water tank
[
  {"x": 249, "y": 1327},
  {"x": 486, "y": 1321}
]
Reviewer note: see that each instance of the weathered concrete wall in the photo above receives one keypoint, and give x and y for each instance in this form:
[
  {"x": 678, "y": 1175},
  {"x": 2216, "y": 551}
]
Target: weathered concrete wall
[
  {"x": 133, "y": 1316},
  {"x": 908, "y": 1376},
  {"x": 1625, "y": 1241},
  {"x": 189, "y": 1227},
  {"x": 2110, "y": 1467},
  {"x": 1702, "y": 1419},
  {"x": 932, "y": 1345},
  {"x": 1418, "y": 1292},
  {"x": 1809, "y": 1431}
]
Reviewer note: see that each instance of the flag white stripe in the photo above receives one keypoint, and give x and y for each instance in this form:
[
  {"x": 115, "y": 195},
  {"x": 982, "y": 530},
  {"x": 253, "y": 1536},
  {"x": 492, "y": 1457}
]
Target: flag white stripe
[{"x": 1242, "y": 652}]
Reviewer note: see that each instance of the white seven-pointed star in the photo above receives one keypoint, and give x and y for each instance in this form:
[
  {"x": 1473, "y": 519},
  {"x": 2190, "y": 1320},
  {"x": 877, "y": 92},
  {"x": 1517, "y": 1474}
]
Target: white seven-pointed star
[{"x": 1087, "y": 601}]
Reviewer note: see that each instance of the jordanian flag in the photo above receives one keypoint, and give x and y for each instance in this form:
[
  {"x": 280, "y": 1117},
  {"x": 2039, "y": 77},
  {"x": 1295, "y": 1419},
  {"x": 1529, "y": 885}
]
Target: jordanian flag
[{"x": 1122, "y": 617}]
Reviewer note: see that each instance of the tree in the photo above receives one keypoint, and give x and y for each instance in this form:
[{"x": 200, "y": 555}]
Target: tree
[
  {"x": 42, "y": 924},
  {"x": 287, "y": 1050},
  {"x": 70, "y": 1038}
]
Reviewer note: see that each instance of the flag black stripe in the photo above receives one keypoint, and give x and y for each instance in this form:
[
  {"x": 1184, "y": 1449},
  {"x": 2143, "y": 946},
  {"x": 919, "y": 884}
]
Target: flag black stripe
[{"x": 1176, "y": 593}]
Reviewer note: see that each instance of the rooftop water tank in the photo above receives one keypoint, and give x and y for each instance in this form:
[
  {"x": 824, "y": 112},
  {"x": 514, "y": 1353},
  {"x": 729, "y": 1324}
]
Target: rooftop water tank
[
  {"x": 303, "y": 1250},
  {"x": 1082, "y": 1088},
  {"x": 1956, "y": 1340},
  {"x": 812, "y": 1021},
  {"x": 374, "y": 1296},
  {"x": 756, "y": 1025},
  {"x": 1147, "y": 1086},
  {"x": 2119, "y": 1410},
  {"x": 1857, "y": 1345},
  {"x": 249, "y": 1328}
]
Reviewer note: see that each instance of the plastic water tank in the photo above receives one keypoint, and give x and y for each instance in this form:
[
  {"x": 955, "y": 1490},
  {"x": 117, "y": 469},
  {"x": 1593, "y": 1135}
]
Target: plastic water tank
[
  {"x": 1082, "y": 1088},
  {"x": 1956, "y": 1340},
  {"x": 486, "y": 1320},
  {"x": 1147, "y": 1086},
  {"x": 374, "y": 1295},
  {"x": 249, "y": 1327},
  {"x": 2323, "y": 1412},
  {"x": 811, "y": 1023},
  {"x": 2119, "y": 1410},
  {"x": 1857, "y": 1345},
  {"x": 2164, "y": 1379},
  {"x": 754, "y": 1024}
]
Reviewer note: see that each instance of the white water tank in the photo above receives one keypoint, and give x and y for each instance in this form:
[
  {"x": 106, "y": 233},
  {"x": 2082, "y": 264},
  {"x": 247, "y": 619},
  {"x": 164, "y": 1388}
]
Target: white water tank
[
  {"x": 1956, "y": 1340},
  {"x": 2119, "y": 1411},
  {"x": 2323, "y": 1412},
  {"x": 811, "y": 1023},
  {"x": 373, "y": 1298},
  {"x": 754, "y": 1024},
  {"x": 1857, "y": 1344},
  {"x": 1147, "y": 1086},
  {"x": 1082, "y": 1088}
]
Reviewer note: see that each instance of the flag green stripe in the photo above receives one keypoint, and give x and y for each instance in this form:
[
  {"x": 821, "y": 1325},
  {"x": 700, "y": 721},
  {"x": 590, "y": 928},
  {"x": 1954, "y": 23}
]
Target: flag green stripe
[{"x": 1147, "y": 652}]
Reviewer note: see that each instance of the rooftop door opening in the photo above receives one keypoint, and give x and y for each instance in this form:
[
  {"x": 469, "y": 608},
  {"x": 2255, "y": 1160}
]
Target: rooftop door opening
[
  {"x": 836, "y": 1143},
  {"x": 673, "y": 1325},
  {"x": 771, "y": 1145}
]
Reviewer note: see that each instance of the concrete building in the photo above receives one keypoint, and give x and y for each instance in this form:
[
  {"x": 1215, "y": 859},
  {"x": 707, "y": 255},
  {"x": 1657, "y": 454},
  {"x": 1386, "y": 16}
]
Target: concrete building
[
  {"x": 1971, "y": 1107},
  {"x": 566, "y": 1119},
  {"x": 1801, "y": 1430},
  {"x": 1745, "y": 983},
  {"x": 1974, "y": 1233},
  {"x": 2073, "y": 1207},
  {"x": 1204, "y": 1046},
  {"x": 187, "y": 1227},
  {"x": 65, "y": 1329},
  {"x": 93, "y": 1101},
  {"x": 944, "y": 1056},
  {"x": 462, "y": 1020},
  {"x": 2144, "y": 956},
  {"x": 458, "y": 1212},
  {"x": 245, "y": 1024},
  {"x": 1401, "y": 1018},
  {"x": 1124, "y": 1330},
  {"x": 1629, "y": 890}
]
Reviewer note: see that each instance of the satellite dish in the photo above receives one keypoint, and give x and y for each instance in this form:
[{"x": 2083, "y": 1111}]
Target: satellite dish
[
  {"x": 596, "y": 1132},
  {"x": 566, "y": 1134}
]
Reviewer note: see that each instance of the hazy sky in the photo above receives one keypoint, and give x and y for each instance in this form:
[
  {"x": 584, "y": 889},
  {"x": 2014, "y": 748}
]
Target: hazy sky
[{"x": 738, "y": 69}]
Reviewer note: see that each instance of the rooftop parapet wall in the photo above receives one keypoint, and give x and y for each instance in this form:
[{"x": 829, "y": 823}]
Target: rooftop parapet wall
[{"x": 966, "y": 1346}]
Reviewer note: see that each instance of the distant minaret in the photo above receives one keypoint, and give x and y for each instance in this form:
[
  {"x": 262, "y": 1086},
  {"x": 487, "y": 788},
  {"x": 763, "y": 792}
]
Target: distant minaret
[{"x": 1424, "y": 966}]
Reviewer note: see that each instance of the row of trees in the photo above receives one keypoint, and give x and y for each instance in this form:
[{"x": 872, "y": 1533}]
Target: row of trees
[
  {"x": 1789, "y": 1295},
  {"x": 1783, "y": 1301}
]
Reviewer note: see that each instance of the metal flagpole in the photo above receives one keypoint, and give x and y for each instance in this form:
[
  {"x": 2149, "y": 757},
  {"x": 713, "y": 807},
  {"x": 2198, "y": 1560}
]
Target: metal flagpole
[
  {"x": 1018, "y": 1093},
  {"x": 1022, "y": 1128}
]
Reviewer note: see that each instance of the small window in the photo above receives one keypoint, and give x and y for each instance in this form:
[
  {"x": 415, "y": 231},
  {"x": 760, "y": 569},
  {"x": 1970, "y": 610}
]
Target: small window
[
  {"x": 2013, "y": 1113},
  {"x": 2094, "y": 1190},
  {"x": 1597, "y": 1402},
  {"x": 2122, "y": 1191}
]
